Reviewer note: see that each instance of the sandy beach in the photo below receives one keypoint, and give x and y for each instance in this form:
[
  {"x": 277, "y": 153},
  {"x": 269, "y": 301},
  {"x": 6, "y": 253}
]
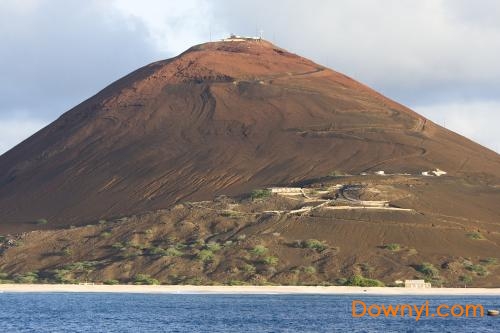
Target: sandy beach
[{"x": 186, "y": 289}]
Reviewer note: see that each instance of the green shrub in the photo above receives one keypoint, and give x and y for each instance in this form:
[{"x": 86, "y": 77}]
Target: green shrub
[
  {"x": 478, "y": 269},
  {"x": 145, "y": 279},
  {"x": 310, "y": 244},
  {"x": 336, "y": 173},
  {"x": 260, "y": 194},
  {"x": 111, "y": 282},
  {"x": 360, "y": 281},
  {"x": 67, "y": 252},
  {"x": 489, "y": 261},
  {"x": 249, "y": 269},
  {"x": 81, "y": 266},
  {"x": 173, "y": 252},
  {"x": 118, "y": 246},
  {"x": 392, "y": 247},
  {"x": 259, "y": 250},
  {"x": 270, "y": 260},
  {"x": 105, "y": 234},
  {"x": 213, "y": 246},
  {"x": 205, "y": 255},
  {"x": 30, "y": 277},
  {"x": 467, "y": 279},
  {"x": 41, "y": 221},
  {"x": 428, "y": 270},
  {"x": 309, "y": 270},
  {"x": 475, "y": 235},
  {"x": 157, "y": 251}
]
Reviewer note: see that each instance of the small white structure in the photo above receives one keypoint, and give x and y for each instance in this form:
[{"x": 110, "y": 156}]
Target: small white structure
[
  {"x": 417, "y": 284},
  {"x": 380, "y": 173},
  {"x": 237, "y": 38},
  {"x": 437, "y": 173},
  {"x": 286, "y": 190}
]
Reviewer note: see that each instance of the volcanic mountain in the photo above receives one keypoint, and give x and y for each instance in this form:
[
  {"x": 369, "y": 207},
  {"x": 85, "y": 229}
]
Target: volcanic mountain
[{"x": 221, "y": 118}]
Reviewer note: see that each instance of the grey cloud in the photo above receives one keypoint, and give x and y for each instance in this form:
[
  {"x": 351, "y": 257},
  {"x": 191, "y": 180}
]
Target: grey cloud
[{"x": 57, "y": 53}]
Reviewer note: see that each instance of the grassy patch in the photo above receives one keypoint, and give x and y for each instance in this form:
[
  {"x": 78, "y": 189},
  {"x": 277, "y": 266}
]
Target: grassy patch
[
  {"x": 145, "y": 279},
  {"x": 259, "y": 250},
  {"x": 41, "y": 222},
  {"x": 260, "y": 194},
  {"x": 205, "y": 255},
  {"x": 360, "y": 281},
  {"x": 478, "y": 269},
  {"x": 392, "y": 247},
  {"x": 475, "y": 235},
  {"x": 489, "y": 261},
  {"x": 428, "y": 270},
  {"x": 313, "y": 244},
  {"x": 270, "y": 260},
  {"x": 111, "y": 282}
]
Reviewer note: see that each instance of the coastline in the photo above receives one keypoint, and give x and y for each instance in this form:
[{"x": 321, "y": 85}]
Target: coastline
[{"x": 244, "y": 290}]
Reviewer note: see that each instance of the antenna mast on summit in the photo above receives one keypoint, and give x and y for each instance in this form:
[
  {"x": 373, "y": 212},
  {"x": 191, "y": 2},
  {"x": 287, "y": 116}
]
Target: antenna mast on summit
[{"x": 260, "y": 33}]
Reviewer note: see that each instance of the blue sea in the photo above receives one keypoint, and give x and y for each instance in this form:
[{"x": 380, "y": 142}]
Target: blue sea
[{"x": 96, "y": 312}]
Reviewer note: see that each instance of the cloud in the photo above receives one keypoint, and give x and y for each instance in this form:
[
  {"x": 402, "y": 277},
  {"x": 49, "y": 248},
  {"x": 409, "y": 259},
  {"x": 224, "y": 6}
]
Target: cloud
[
  {"x": 427, "y": 54},
  {"x": 469, "y": 119},
  {"x": 57, "y": 53}
]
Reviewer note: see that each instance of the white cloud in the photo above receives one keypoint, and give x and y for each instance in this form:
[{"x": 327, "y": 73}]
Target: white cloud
[
  {"x": 56, "y": 53},
  {"x": 173, "y": 25},
  {"x": 475, "y": 120},
  {"x": 15, "y": 130}
]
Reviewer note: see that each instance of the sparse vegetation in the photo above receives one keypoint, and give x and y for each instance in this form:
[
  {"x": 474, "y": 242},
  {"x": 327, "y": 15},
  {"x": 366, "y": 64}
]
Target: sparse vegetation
[
  {"x": 67, "y": 252},
  {"x": 260, "y": 194},
  {"x": 270, "y": 260},
  {"x": 30, "y": 277},
  {"x": 213, "y": 246},
  {"x": 309, "y": 270},
  {"x": 311, "y": 244},
  {"x": 489, "y": 261},
  {"x": 428, "y": 270},
  {"x": 360, "y": 281},
  {"x": 41, "y": 222},
  {"x": 105, "y": 234},
  {"x": 111, "y": 282},
  {"x": 249, "y": 269},
  {"x": 259, "y": 250},
  {"x": 145, "y": 279},
  {"x": 173, "y": 252},
  {"x": 336, "y": 173},
  {"x": 466, "y": 279},
  {"x": 475, "y": 235},
  {"x": 392, "y": 247},
  {"x": 478, "y": 269},
  {"x": 205, "y": 255},
  {"x": 118, "y": 246}
]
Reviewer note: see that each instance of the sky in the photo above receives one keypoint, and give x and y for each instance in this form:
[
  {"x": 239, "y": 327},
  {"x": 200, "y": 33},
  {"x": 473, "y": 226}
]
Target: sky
[{"x": 439, "y": 57}]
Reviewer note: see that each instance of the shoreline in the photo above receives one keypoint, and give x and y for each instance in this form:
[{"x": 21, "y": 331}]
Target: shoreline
[{"x": 245, "y": 290}]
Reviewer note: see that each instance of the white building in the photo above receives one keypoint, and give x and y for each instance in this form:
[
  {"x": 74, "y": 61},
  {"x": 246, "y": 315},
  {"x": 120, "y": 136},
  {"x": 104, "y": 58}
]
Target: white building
[
  {"x": 285, "y": 190},
  {"x": 417, "y": 284},
  {"x": 236, "y": 38}
]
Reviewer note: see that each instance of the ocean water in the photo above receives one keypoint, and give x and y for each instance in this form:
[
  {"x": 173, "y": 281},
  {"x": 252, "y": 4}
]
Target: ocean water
[{"x": 80, "y": 312}]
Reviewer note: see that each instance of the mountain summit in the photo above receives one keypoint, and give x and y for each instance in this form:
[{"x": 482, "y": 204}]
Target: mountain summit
[{"x": 220, "y": 118}]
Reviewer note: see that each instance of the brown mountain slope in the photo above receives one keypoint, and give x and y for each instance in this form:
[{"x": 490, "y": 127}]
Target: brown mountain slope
[
  {"x": 221, "y": 118},
  {"x": 325, "y": 234}
]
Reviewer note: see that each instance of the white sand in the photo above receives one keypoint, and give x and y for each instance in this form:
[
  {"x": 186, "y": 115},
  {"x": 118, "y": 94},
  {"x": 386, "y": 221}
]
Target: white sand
[{"x": 183, "y": 289}]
